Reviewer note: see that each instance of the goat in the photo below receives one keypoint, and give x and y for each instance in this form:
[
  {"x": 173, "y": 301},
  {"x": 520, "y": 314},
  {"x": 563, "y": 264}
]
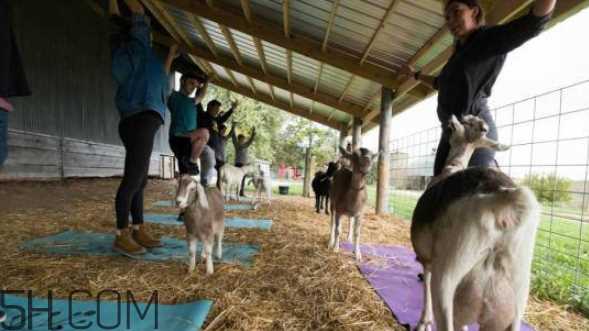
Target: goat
[
  {"x": 204, "y": 219},
  {"x": 262, "y": 185},
  {"x": 473, "y": 230},
  {"x": 348, "y": 196},
  {"x": 230, "y": 178},
  {"x": 320, "y": 184}
]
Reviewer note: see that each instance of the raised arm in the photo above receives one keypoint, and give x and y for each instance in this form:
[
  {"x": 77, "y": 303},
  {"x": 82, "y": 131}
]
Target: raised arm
[
  {"x": 172, "y": 54},
  {"x": 410, "y": 72},
  {"x": 141, "y": 27},
  {"x": 202, "y": 91},
  {"x": 233, "y": 136},
  {"x": 249, "y": 142},
  {"x": 223, "y": 118}
]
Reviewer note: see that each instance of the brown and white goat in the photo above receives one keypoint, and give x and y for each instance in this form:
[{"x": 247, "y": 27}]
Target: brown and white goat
[
  {"x": 473, "y": 230},
  {"x": 204, "y": 219},
  {"x": 230, "y": 178},
  {"x": 348, "y": 196}
]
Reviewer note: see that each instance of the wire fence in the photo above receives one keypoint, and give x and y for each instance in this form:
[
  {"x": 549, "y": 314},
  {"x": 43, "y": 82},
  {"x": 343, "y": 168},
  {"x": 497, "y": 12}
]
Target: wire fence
[{"x": 549, "y": 138}]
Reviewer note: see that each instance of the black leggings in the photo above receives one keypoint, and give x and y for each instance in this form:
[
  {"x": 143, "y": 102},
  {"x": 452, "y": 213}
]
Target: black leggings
[
  {"x": 482, "y": 157},
  {"x": 137, "y": 133},
  {"x": 182, "y": 149}
]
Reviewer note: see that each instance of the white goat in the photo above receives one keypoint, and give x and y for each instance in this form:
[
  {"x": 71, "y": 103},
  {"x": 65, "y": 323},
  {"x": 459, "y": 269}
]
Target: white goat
[
  {"x": 348, "y": 195},
  {"x": 473, "y": 230},
  {"x": 230, "y": 178},
  {"x": 204, "y": 219}
]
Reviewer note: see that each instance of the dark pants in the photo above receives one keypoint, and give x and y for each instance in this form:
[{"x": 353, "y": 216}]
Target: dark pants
[
  {"x": 242, "y": 186},
  {"x": 137, "y": 133},
  {"x": 3, "y": 136},
  {"x": 482, "y": 157},
  {"x": 218, "y": 165},
  {"x": 182, "y": 148}
]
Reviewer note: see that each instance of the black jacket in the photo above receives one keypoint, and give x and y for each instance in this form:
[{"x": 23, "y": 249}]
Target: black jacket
[{"x": 13, "y": 81}]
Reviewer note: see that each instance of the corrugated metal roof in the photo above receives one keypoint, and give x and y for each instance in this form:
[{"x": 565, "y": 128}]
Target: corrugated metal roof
[{"x": 398, "y": 37}]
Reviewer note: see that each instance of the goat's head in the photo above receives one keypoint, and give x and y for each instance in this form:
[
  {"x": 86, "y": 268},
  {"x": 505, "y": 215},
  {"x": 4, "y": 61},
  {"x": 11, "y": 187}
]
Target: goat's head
[
  {"x": 472, "y": 130},
  {"x": 361, "y": 159},
  {"x": 190, "y": 190},
  {"x": 331, "y": 167}
]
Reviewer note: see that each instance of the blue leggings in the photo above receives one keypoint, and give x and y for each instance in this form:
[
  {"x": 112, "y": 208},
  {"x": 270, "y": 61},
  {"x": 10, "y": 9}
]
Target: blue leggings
[{"x": 482, "y": 157}]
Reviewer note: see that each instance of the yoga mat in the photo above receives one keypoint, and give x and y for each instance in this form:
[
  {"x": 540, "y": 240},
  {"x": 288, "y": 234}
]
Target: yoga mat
[
  {"x": 108, "y": 315},
  {"x": 171, "y": 203},
  {"x": 233, "y": 222},
  {"x": 392, "y": 271},
  {"x": 72, "y": 243}
]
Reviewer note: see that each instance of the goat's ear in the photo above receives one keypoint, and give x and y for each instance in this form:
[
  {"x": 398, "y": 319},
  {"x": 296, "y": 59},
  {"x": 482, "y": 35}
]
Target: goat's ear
[
  {"x": 344, "y": 152},
  {"x": 202, "y": 196}
]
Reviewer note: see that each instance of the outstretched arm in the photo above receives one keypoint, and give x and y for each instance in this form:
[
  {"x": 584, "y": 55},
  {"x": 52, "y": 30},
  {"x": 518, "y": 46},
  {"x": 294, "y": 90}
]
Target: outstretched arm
[
  {"x": 249, "y": 142},
  {"x": 200, "y": 94},
  {"x": 172, "y": 54},
  {"x": 228, "y": 113},
  {"x": 410, "y": 72}
]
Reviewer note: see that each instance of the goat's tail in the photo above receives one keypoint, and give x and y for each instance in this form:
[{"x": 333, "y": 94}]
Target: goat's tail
[{"x": 515, "y": 206}]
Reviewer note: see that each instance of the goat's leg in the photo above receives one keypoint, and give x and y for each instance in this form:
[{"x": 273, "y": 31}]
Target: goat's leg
[
  {"x": 351, "y": 229},
  {"x": 327, "y": 204},
  {"x": 357, "y": 223},
  {"x": 331, "y": 230},
  {"x": 427, "y": 314},
  {"x": 191, "y": 254},
  {"x": 317, "y": 203},
  {"x": 208, "y": 248},
  {"x": 338, "y": 218},
  {"x": 220, "y": 244}
]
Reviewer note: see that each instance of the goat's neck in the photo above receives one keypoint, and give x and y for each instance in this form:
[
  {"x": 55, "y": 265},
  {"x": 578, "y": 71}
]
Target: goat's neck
[
  {"x": 458, "y": 158},
  {"x": 358, "y": 181}
]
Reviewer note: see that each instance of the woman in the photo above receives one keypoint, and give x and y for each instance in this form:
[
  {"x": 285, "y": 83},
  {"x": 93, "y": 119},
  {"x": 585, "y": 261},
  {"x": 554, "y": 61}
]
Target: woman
[
  {"x": 142, "y": 89},
  {"x": 466, "y": 81}
]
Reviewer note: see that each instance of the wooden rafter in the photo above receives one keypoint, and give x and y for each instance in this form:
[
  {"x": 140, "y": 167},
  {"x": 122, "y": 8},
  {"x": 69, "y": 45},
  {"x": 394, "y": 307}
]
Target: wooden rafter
[
  {"x": 347, "y": 88},
  {"x": 278, "y": 104},
  {"x": 270, "y": 32},
  {"x": 381, "y": 26},
  {"x": 291, "y": 99},
  {"x": 285, "y": 18},
  {"x": 196, "y": 22},
  {"x": 232, "y": 45},
  {"x": 211, "y": 3},
  {"x": 231, "y": 77},
  {"x": 311, "y": 107},
  {"x": 319, "y": 73},
  {"x": 332, "y": 14},
  {"x": 276, "y": 81}
]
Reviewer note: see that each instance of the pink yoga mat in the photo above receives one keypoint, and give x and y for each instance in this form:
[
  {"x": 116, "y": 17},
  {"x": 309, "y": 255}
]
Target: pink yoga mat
[{"x": 392, "y": 271}]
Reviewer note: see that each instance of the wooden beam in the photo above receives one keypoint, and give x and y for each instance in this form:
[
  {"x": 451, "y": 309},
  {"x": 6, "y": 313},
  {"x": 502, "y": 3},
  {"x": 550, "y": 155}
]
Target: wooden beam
[
  {"x": 289, "y": 66},
  {"x": 253, "y": 72},
  {"x": 311, "y": 107},
  {"x": 381, "y": 26},
  {"x": 357, "y": 133},
  {"x": 285, "y": 18},
  {"x": 231, "y": 77},
  {"x": 261, "y": 55},
  {"x": 332, "y": 14},
  {"x": 247, "y": 12},
  {"x": 319, "y": 73},
  {"x": 278, "y": 104},
  {"x": 347, "y": 88},
  {"x": 211, "y": 3},
  {"x": 382, "y": 187},
  {"x": 291, "y": 100},
  {"x": 232, "y": 45},
  {"x": 204, "y": 34},
  {"x": 272, "y": 33}
]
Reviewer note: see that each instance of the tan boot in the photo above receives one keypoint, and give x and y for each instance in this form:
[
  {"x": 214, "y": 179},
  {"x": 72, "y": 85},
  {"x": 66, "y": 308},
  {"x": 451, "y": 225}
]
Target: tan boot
[
  {"x": 126, "y": 245},
  {"x": 144, "y": 239}
]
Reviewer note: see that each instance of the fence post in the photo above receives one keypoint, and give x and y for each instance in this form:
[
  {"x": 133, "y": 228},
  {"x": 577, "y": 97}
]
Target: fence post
[
  {"x": 386, "y": 114},
  {"x": 357, "y": 134}
]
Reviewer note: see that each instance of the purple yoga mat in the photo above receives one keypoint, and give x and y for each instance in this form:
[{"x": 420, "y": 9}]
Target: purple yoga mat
[{"x": 392, "y": 271}]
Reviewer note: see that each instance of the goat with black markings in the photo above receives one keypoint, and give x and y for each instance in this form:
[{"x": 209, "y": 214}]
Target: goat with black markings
[{"x": 321, "y": 184}]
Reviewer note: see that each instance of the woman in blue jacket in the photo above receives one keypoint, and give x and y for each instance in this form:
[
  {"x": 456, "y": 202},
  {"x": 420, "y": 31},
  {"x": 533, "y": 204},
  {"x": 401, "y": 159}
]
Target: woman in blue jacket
[{"x": 141, "y": 95}]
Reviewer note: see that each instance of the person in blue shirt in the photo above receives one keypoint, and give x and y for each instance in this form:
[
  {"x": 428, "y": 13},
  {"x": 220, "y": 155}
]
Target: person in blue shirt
[
  {"x": 187, "y": 140},
  {"x": 142, "y": 87},
  {"x": 466, "y": 80}
]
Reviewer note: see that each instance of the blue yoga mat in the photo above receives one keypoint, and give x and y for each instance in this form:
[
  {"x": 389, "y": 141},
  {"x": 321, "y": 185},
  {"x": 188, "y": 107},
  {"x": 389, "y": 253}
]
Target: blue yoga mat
[
  {"x": 107, "y": 315},
  {"x": 233, "y": 222},
  {"x": 170, "y": 203},
  {"x": 72, "y": 243}
]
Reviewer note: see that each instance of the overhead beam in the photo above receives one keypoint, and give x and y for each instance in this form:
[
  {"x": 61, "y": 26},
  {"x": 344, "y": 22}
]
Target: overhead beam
[
  {"x": 232, "y": 45},
  {"x": 204, "y": 34},
  {"x": 346, "y": 89},
  {"x": 380, "y": 27},
  {"x": 268, "y": 31},
  {"x": 332, "y": 14},
  {"x": 278, "y": 104},
  {"x": 249, "y": 71}
]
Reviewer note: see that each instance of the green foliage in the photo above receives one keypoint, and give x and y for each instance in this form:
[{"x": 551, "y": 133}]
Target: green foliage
[
  {"x": 280, "y": 137},
  {"x": 549, "y": 188}
]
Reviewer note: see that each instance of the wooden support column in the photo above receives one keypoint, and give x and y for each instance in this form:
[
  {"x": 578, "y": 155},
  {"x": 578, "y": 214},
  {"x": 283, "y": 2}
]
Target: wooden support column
[
  {"x": 342, "y": 139},
  {"x": 386, "y": 115},
  {"x": 357, "y": 133},
  {"x": 308, "y": 172}
]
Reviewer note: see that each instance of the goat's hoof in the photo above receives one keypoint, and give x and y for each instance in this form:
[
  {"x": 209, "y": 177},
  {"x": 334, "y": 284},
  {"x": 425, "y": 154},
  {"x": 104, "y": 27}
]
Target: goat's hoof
[
  {"x": 424, "y": 326},
  {"x": 317, "y": 211},
  {"x": 358, "y": 256}
]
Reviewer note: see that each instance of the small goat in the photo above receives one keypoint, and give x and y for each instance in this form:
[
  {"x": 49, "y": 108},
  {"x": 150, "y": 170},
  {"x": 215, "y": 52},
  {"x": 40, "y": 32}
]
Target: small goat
[
  {"x": 348, "y": 196},
  {"x": 473, "y": 231},
  {"x": 204, "y": 219},
  {"x": 230, "y": 178},
  {"x": 262, "y": 185},
  {"x": 321, "y": 184}
]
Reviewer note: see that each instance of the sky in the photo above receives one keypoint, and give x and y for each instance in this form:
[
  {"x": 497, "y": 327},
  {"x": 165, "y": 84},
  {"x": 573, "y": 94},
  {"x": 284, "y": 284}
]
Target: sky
[{"x": 559, "y": 57}]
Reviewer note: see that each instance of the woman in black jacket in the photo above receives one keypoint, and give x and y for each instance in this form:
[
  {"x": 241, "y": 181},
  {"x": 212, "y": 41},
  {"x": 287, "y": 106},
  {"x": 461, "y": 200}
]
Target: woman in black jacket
[{"x": 466, "y": 81}]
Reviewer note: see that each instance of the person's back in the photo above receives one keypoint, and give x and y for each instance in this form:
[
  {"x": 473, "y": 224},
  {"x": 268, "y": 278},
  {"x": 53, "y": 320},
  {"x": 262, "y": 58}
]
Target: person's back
[{"x": 241, "y": 148}]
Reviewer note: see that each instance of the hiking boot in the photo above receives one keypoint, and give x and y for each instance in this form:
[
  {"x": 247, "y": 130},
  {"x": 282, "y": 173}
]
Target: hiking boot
[
  {"x": 144, "y": 239},
  {"x": 126, "y": 245}
]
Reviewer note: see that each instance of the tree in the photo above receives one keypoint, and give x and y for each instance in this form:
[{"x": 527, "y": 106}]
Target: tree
[{"x": 549, "y": 188}]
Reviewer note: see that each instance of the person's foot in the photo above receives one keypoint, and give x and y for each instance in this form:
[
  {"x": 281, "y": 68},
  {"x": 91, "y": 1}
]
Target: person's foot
[
  {"x": 126, "y": 245},
  {"x": 145, "y": 239},
  {"x": 191, "y": 168}
]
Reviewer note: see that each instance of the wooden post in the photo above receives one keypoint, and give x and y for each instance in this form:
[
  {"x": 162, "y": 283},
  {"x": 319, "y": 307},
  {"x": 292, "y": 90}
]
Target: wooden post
[
  {"x": 382, "y": 190},
  {"x": 308, "y": 162},
  {"x": 357, "y": 134},
  {"x": 342, "y": 139}
]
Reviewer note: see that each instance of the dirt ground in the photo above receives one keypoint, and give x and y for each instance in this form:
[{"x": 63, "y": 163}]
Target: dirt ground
[{"x": 295, "y": 283}]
